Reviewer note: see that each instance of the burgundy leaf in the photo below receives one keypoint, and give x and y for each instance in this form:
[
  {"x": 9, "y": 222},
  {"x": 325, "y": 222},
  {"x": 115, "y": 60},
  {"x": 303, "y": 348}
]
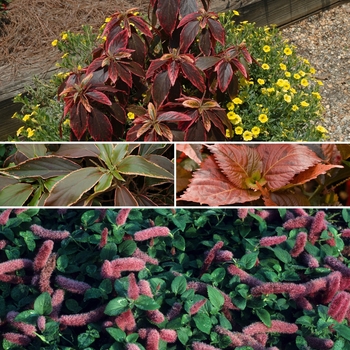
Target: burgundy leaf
[
  {"x": 78, "y": 120},
  {"x": 99, "y": 97},
  {"x": 124, "y": 198},
  {"x": 167, "y": 13},
  {"x": 205, "y": 42},
  {"x": 206, "y": 62},
  {"x": 161, "y": 87},
  {"x": 99, "y": 126},
  {"x": 225, "y": 73},
  {"x": 141, "y": 25},
  {"x": 217, "y": 30},
  {"x": 173, "y": 117},
  {"x": 124, "y": 74},
  {"x": 240, "y": 67},
  {"x": 173, "y": 72},
  {"x": 153, "y": 67},
  {"x": 120, "y": 41},
  {"x": 188, "y": 34},
  {"x": 193, "y": 74}
]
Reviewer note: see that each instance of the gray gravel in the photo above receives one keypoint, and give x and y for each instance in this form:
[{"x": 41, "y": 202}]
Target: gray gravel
[{"x": 324, "y": 39}]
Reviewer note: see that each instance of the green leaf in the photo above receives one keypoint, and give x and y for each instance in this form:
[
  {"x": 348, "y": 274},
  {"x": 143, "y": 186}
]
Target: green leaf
[
  {"x": 117, "y": 306},
  {"x": 73, "y": 305},
  {"x": 203, "y": 322},
  {"x": 92, "y": 293},
  {"x": 106, "y": 286},
  {"x": 15, "y": 195},
  {"x": 127, "y": 248},
  {"x": 73, "y": 186},
  {"x": 339, "y": 344},
  {"x": 106, "y": 153},
  {"x": 116, "y": 334},
  {"x": 218, "y": 275},
  {"x": 62, "y": 263},
  {"x": 264, "y": 317},
  {"x": 28, "y": 239},
  {"x": 304, "y": 320},
  {"x": 144, "y": 302},
  {"x": 42, "y": 304},
  {"x": 131, "y": 338},
  {"x": 27, "y": 316},
  {"x": 119, "y": 152},
  {"x": 282, "y": 255},
  {"x": 84, "y": 340},
  {"x": 89, "y": 217},
  {"x": 179, "y": 242},
  {"x": 137, "y": 165},
  {"x": 104, "y": 183},
  {"x": 215, "y": 297},
  {"x": 342, "y": 330},
  {"x": 109, "y": 251},
  {"x": 248, "y": 260},
  {"x": 182, "y": 334},
  {"x": 178, "y": 285}
]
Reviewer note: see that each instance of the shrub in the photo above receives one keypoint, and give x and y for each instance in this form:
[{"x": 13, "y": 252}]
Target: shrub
[
  {"x": 206, "y": 284},
  {"x": 171, "y": 77}
]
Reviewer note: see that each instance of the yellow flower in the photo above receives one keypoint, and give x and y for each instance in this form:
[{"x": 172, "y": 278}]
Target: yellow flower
[
  {"x": 66, "y": 122},
  {"x": 287, "y": 74},
  {"x": 287, "y": 98},
  {"x": 64, "y": 36},
  {"x": 108, "y": 19},
  {"x": 263, "y": 91},
  {"x": 65, "y": 55},
  {"x": 293, "y": 91},
  {"x": 304, "y": 82},
  {"x": 131, "y": 115},
  {"x": 79, "y": 67},
  {"x": 321, "y": 129},
  {"x": 104, "y": 38},
  {"x": 19, "y": 131},
  {"x": 271, "y": 89},
  {"x": 228, "y": 134},
  {"x": 230, "y": 114},
  {"x": 237, "y": 101},
  {"x": 14, "y": 115},
  {"x": 236, "y": 13},
  {"x": 266, "y": 48},
  {"x": 30, "y": 132},
  {"x": 302, "y": 73},
  {"x": 54, "y": 43},
  {"x": 247, "y": 136},
  {"x": 283, "y": 66},
  {"x": 319, "y": 82},
  {"x": 306, "y": 61},
  {"x": 265, "y": 66},
  {"x": 230, "y": 106},
  {"x": 286, "y": 86},
  {"x": 235, "y": 119},
  {"x": 238, "y": 130},
  {"x": 312, "y": 70},
  {"x": 317, "y": 95},
  {"x": 263, "y": 118},
  {"x": 255, "y": 130},
  {"x": 295, "y": 108},
  {"x": 287, "y": 51},
  {"x": 296, "y": 76},
  {"x": 26, "y": 117},
  {"x": 261, "y": 81},
  {"x": 304, "y": 104}
]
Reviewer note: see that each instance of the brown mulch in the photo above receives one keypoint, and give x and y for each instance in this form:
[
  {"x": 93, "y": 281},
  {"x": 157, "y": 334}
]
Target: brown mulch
[{"x": 34, "y": 24}]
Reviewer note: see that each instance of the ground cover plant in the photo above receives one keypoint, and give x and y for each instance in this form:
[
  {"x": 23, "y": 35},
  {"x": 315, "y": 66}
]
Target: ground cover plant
[
  {"x": 88, "y": 175},
  {"x": 182, "y": 73},
  {"x": 262, "y": 174},
  {"x": 174, "y": 279}
]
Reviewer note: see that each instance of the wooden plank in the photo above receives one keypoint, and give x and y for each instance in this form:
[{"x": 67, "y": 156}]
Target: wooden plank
[
  {"x": 8, "y": 126},
  {"x": 279, "y": 12}
]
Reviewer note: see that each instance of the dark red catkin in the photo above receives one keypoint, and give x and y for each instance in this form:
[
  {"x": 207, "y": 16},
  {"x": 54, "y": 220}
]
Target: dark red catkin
[
  {"x": 298, "y": 222},
  {"x": 272, "y": 240},
  {"x": 210, "y": 257},
  {"x": 18, "y": 339},
  {"x": 104, "y": 238},
  {"x": 318, "y": 225},
  {"x": 78, "y": 320},
  {"x": 319, "y": 343},
  {"x": 197, "y": 306},
  {"x": 339, "y": 306},
  {"x": 294, "y": 290},
  {"x": 335, "y": 264},
  {"x": 202, "y": 346},
  {"x": 333, "y": 281},
  {"x": 56, "y": 302},
  {"x": 43, "y": 255},
  {"x": 41, "y": 323},
  {"x": 299, "y": 244},
  {"x": 14, "y": 265},
  {"x": 4, "y": 216},
  {"x": 276, "y": 327},
  {"x": 45, "y": 275},
  {"x": 71, "y": 285}
]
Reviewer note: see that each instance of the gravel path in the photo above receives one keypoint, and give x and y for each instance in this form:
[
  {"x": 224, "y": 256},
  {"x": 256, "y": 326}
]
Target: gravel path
[{"x": 324, "y": 39}]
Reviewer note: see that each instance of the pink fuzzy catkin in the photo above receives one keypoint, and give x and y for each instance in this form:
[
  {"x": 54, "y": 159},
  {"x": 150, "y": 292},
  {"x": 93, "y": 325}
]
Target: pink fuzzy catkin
[
  {"x": 319, "y": 343},
  {"x": 174, "y": 311},
  {"x": 18, "y": 339},
  {"x": 45, "y": 275},
  {"x": 262, "y": 338},
  {"x": 339, "y": 306},
  {"x": 122, "y": 216},
  {"x": 294, "y": 290},
  {"x": 318, "y": 225},
  {"x": 152, "y": 342},
  {"x": 71, "y": 285},
  {"x": 299, "y": 244},
  {"x": 145, "y": 288},
  {"x": 14, "y": 265},
  {"x": 155, "y": 316},
  {"x": 49, "y": 234},
  {"x": 300, "y": 212},
  {"x": 43, "y": 255},
  {"x": 223, "y": 256},
  {"x": 112, "y": 269},
  {"x": 14, "y": 279},
  {"x": 272, "y": 240},
  {"x": 335, "y": 264},
  {"x": 3, "y": 244},
  {"x": 242, "y": 213},
  {"x": 4, "y": 216},
  {"x": 315, "y": 285},
  {"x": 168, "y": 335},
  {"x": 41, "y": 323},
  {"x": 197, "y": 345},
  {"x": 104, "y": 238},
  {"x": 333, "y": 285},
  {"x": 309, "y": 260},
  {"x": 56, "y": 302},
  {"x": 133, "y": 288},
  {"x": 138, "y": 253},
  {"x": 276, "y": 327},
  {"x": 197, "y": 306},
  {"x": 244, "y": 276},
  {"x": 152, "y": 232},
  {"x": 25, "y": 328},
  {"x": 131, "y": 347},
  {"x": 78, "y": 320},
  {"x": 210, "y": 257},
  {"x": 298, "y": 222},
  {"x": 346, "y": 233},
  {"x": 303, "y": 303},
  {"x": 126, "y": 321}
]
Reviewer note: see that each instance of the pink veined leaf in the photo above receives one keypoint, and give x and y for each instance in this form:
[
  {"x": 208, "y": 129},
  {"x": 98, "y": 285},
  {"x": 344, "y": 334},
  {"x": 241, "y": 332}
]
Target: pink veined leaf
[
  {"x": 282, "y": 162},
  {"x": 210, "y": 186}
]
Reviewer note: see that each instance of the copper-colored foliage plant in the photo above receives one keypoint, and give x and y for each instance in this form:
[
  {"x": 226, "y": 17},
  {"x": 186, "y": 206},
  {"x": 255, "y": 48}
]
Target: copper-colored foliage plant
[{"x": 234, "y": 174}]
